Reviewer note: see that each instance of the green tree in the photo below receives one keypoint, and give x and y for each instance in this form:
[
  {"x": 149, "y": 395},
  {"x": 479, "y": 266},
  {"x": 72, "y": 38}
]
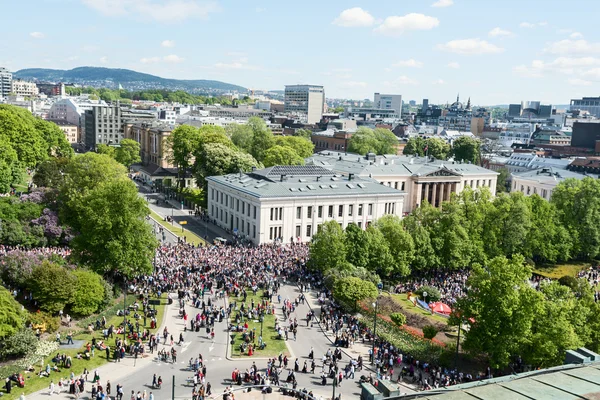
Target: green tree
[
  {"x": 106, "y": 149},
  {"x": 398, "y": 318},
  {"x": 241, "y": 136},
  {"x": 386, "y": 141},
  {"x": 51, "y": 286},
  {"x": 450, "y": 238},
  {"x": 88, "y": 292},
  {"x": 282, "y": 155},
  {"x": 337, "y": 110},
  {"x": 305, "y": 133},
  {"x": 466, "y": 149},
  {"x": 303, "y": 147},
  {"x": 49, "y": 173},
  {"x": 11, "y": 317},
  {"x": 424, "y": 255},
  {"x": 56, "y": 141},
  {"x": 429, "y": 331},
  {"x": 219, "y": 159},
  {"x": 10, "y": 168},
  {"x": 19, "y": 344},
  {"x": 437, "y": 148},
  {"x": 128, "y": 152},
  {"x": 351, "y": 290},
  {"x": 357, "y": 249},
  {"x": 415, "y": 146},
  {"x": 327, "y": 248},
  {"x": 381, "y": 260},
  {"x": 547, "y": 240},
  {"x": 182, "y": 143},
  {"x": 18, "y": 127},
  {"x": 262, "y": 138},
  {"x": 363, "y": 141},
  {"x": 399, "y": 242},
  {"x": 507, "y": 225},
  {"x": 114, "y": 237},
  {"x": 500, "y": 307},
  {"x": 502, "y": 180}
]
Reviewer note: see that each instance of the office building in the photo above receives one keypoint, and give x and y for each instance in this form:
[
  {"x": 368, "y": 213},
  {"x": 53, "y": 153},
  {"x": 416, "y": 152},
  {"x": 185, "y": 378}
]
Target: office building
[
  {"x": 5, "y": 82},
  {"x": 529, "y": 110},
  {"x": 389, "y": 102},
  {"x": 305, "y": 100},
  {"x": 543, "y": 181},
  {"x": 24, "y": 88},
  {"x": 152, "y": 137},
  {"x": 289, "y": 203},
  {"x": 589, "y": 104},
  {"x": 71, "y": 130},
  {"x": 586, "y": 135},
  {"x": 106, "y": 124}
]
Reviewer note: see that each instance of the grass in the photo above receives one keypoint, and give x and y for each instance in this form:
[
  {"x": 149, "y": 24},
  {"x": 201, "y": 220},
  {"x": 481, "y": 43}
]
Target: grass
[
  {"x": 33, "y": 382},
  {"x": 188, "y": 235},
  {"x": 557, "y": 271},
  {"x": 274, "y": 345},
  {"x": 409, "y": 307}
]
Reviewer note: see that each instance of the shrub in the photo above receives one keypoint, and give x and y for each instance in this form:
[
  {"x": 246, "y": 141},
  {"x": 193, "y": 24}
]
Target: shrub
[
  {"x": 17, "y": 266},
  {"x": 433, "y": 294},
  {"x": 569, "y": 282},
  {"x": 52, "y": 286},
  {"x": 50, "y": 323},
  {"x": 11, "y": 316},
  {"x": 398, "y": 318},
  {"x": 109, "y": 295},
  {"x": 429, "y": 332},
  {"x": 88, "y": 293},
  {"x": 18, "y": 344}
]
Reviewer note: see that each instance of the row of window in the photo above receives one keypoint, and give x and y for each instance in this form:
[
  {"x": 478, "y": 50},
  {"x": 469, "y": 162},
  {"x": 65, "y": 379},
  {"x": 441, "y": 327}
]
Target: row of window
[
  {"x": 229, "y": 201},
  {"x": 330, "y": 211},
  {"x": 543, "y": 193},
  {"x": 229, "y": 222},
  {"x": 476, "y": 183}
]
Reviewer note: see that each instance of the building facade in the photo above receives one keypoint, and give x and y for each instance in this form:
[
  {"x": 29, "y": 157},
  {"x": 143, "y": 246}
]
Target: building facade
[
  {"x": 289, "y": 203},
  {"x": 71, "y": 130},
  {"x": 105, "y": 124},
  {"x": 389, "y": 102},
  {"x": 308, "y": 100},
  {"x": 589, "y": 104},
  {"x": 543, "y": 181},
  {"x": 152, "y": 137},
  {"x": 24, "y": 88},
  {"x": 5, "y": 82}
]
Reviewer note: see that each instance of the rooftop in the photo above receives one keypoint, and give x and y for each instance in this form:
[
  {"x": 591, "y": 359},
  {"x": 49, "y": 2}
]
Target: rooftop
[{"x": 549, "y": 175}]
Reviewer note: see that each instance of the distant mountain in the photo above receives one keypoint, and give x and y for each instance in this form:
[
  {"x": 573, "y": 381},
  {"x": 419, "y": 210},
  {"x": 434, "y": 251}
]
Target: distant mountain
[{"x": 128, "y": 79}]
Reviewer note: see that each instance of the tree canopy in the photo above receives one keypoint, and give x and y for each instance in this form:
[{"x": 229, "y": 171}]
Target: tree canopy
[
  {"x": 378, "y": 141},
  {"x": 466, "y": 149}
]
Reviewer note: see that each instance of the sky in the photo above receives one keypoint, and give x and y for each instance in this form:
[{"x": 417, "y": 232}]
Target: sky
[{"x": 493, "y": 52}]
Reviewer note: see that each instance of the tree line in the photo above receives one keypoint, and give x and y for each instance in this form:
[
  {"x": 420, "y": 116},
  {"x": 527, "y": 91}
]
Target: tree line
[
  {"x": 464, "y": 148},
  {"x": 213, "y": 150}
]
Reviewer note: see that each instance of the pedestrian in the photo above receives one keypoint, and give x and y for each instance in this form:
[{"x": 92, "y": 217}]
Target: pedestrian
[
  {"x": 108, "y": 388},
  {"x": 51, "y": 388}
]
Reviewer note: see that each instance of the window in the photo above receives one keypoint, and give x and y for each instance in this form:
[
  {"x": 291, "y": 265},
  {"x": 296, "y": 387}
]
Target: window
[
  {"x": 254, "y": 231},
  {"x": 272, "y": 209},
  {"x": 360, "y": 224},
  {"x": 212, "y": 194},
  {"x": 280, "y": 215},
  {"x": 402, "y": 186},
  {"x": 243, "y": 207},
  {"x": 212, "y": 209},
  {"x": 330, "y": 213},
  {"x": 309, "y": 212},
  {"x": 350, "y": 210},
  {"x": 271, "y": 233},
  {"x": 370, "y": 209},
  {"x": 237, "y": 222},
  {"x": 298, "y": 227},
  {"x": 254, "y": 212},
  {"x": 308, "y": 230},
  {"x": 226, "y": 200},
  {"x": 395, "y": 185},
  {"x": 320, "y": 212},
  {"x": 360, "y": 210},
  {"x": 340, "y": 211},
  {"x": 298, "y": 212}
]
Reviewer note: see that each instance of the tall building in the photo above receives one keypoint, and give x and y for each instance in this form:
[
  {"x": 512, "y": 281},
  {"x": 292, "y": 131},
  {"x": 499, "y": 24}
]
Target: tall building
[
  {"x": 71, "y": 130},
  {"x": 305, "y": 99},
  {"x": 5, "y": 82},
  {"x": 105, "y": 124},
  {"x": 389, "y": 102},
  {"x": 530, "y": 110},
  {"x": 589, "y": 104},
  {"x": 24, "y": 88}
]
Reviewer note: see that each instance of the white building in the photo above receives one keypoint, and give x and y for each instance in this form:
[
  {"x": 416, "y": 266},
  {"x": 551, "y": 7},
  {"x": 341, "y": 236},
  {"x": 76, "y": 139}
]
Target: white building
[
  {"x": 518, "y": 162},
  {"x": 24, "y": 88},
  {"x": 5, "y": 82},
  {"x": 289, "y": 202},
  {"x": 389, "y": 102},
  {"x": 542, "y": 181},
  {"x": 419, "y": 177},
  {"x": 307, "y": 100}
]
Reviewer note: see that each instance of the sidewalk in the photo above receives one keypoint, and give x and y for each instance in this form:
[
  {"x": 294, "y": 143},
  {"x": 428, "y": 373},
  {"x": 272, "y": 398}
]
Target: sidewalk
[{"x": 110, "y": 371}]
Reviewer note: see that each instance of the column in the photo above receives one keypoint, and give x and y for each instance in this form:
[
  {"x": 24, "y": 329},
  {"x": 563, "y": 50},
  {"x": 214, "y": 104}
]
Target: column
[
  {"x": 443, "y": 193},
  {"x": 449, "y": 190},
  {"x": 419, "y": 190},
  {"x": 434, "y": 194},
  {"x": 426, "y": 197}
]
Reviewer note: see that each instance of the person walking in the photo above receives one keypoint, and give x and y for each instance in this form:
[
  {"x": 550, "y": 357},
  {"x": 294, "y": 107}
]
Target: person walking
[{"x": 51, "y": 388}]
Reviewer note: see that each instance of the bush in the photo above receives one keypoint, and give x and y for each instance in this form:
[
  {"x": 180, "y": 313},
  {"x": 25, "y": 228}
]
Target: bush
[
  {"x": 432, "y": 293},
  {"x": 50, "y": 323},
  {"x": 88, "y": 293},
  {"x": 350, "y": 290},
  {"x": 569, "y": 282},
  {"x": 11, "y": 316},
  {"x": 398, "y": 318},
  {"x": 18, "y": 344},
  {"x": 52, "y": 286},
  {"x": 429, "y": 331},
  {"x": 109, "y": 295}
]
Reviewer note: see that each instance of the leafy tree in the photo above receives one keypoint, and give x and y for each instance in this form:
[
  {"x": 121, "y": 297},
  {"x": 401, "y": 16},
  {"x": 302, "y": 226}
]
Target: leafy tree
[
  {"x": 303, "y": 147},
  {"x": 502, "y": 180},
  {"x": 437, "y": 148},
  {"x": 424, "y": 256},
  {"x": 429, "y": 331},
  {"x": 88, "y": 293},
  {"x": 49, "y": 173},
  {"x": 11, "y": 317},
  {"x": 262, "y": 138},
  {"x": 182, "y": 142},
  {"x": 351, "y": 290},
  {"x": 381, "y": 260},
  {"x": 305, "y": 133},
  {"x": 474, "y": 206},
  {"x": 507, "y": 225},
  {"x": 56, "y": 142},
  {"x": 114, "y": 236},
  {"x": 363, "y": 141},
  {"x": 466, "y": 149},
  {"x": 51, "y": 286},
  {"x": 357, "y": 249},
  {"x": 337, "y": 110},
  {"x": 219, "y": 159},
  {"x": 547, "y": 240},
  {"x": 415, "y": 146},
  {"x": 327, "y": 248},
  {"x": 241, "y": 136},
  {"x": 399, "y": 242},
  {"x": 282, "y": 155},
  {"x": 433, "y": 293},
  {"x": 128, "y": 152},
  {"x": 500, "y": 307},
  {"x": 10, "y": 168},
  {"x": 398, "y": 318},
  {"x": 387, "y": 141},
  {"x": 450, "y": 239}
]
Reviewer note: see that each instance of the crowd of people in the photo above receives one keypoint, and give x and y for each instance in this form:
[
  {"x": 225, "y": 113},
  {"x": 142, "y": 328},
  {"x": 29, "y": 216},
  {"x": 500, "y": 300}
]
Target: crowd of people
[{"x": 451, "y": 284}]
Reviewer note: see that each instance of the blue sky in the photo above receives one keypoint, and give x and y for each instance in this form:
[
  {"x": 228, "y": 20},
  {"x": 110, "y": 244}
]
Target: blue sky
[{"x": 495, "y": 52}]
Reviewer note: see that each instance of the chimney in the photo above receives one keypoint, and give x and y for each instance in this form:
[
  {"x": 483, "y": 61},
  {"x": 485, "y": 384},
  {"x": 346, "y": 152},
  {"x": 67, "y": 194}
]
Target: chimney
[
  {"x": 282, "y": 178},
  {"x": 350, "y": 176},
  {"x": 318, "y": 178}
]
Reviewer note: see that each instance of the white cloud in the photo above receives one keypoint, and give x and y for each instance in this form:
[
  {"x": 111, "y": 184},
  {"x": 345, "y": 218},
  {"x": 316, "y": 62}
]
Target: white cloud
[
  {"x": 172, "y": 58},
  {"x": 564, "y": 65},
  {"x": 150, "y": 60},
  {"x": 575, "y": 35},
  {"x": 354, "y": 17},
  {"x": 442, "y": 3},
  {"x": 397, "y": 25},
  {"x": 409, "y": 63},
  {"x": 499, "y": 32},
  {"x": 161, "y": 11},
  {"x": 530, "y": 25},
  {"x": 593, "y": 74},
  {"x": 167, "y": 43},
  {"x": 568, "y": 46},
  {"x": 438, "y": 82},
  {"x": 470, "y": 46},
  {"x": 578, "y": 82},
  {"x": 37, "y": 35},
  {"x": 401, "y": 80},
  {"x": 354, "y": 84},
  {"x": 73, "y": 58},
  {"x": 454, "y": 65},
  {"x": 543, "y": 23},
  {"x": 528, "y": 71},
  {"x": 104, "y": 59}
]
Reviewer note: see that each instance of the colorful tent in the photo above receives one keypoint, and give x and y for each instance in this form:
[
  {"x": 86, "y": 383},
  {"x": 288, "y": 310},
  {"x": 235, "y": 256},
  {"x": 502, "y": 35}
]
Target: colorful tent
[{"x": 440, "y": 308}]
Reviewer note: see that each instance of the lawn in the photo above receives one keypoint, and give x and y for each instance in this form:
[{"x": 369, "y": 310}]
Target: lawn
[
  {"x": 274, "y": 345},
  {"x": 409, "y": 307},
  {"x": 559, "y": 270},
  {"x": 33, "y": 383},
  {"x": 190, "y": 237}
]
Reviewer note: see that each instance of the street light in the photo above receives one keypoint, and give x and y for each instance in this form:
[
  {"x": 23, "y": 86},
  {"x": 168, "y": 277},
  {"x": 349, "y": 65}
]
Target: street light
[{"x": 376, "y": 305}]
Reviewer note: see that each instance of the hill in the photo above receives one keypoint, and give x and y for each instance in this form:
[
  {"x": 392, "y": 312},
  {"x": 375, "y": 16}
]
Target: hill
[{"x": 128, "y": 79}]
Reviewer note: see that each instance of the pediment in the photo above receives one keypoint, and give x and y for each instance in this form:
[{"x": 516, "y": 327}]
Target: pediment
[{"x": 442, "y": 172}]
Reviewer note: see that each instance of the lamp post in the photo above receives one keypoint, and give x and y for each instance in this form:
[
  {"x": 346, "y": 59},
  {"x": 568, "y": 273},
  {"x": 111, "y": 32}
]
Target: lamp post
[{"x": 376, "y": 305}]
